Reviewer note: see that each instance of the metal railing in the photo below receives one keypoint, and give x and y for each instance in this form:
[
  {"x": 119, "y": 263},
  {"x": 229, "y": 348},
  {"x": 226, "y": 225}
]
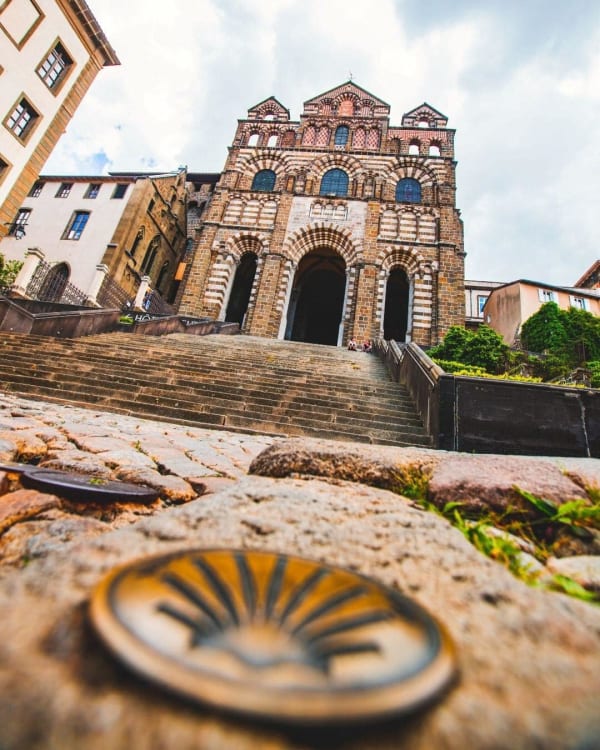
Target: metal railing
[
  {"x": 48, "y": 285},
  {"x": 155, "y": 304},
  {"x": 112, "y": 295}
]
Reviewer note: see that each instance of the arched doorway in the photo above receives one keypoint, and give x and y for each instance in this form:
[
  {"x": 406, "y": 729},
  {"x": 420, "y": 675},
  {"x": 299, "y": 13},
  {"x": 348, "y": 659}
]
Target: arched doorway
[
  {"x": 55, "y": 283},
  {"x": 317, "y": 299},
  {"x": 241, "y": 289},
  {"x": 395, "y": 319}
]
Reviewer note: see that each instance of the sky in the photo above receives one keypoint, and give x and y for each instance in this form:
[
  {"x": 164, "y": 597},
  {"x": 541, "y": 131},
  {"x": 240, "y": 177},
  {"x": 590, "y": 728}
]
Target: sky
[{"x": 519, "y": 80}]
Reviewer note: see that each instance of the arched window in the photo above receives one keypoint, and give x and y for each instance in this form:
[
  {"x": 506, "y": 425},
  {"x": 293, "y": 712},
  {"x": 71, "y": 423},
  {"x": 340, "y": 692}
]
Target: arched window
[
  {"x": 408, "y": 190},
  {"x": 150, "y": 256},
  {"x": 334, "y": 182},
  {"x": 341, "y": 135},
  {"x": 253, "y": 140},
  {"x": 272, "y": 142},
  {"x": 264, "y": 180},
  {"x": 414, "y": 149},
  {"x": 434, "y": 150}
]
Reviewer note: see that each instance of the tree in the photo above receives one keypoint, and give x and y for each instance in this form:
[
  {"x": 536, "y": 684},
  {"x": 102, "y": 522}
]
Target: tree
[
  {"x": 8, "y": 271},
  {"x": 572, "y": 335},
  {"x": 545, "y": 330}
]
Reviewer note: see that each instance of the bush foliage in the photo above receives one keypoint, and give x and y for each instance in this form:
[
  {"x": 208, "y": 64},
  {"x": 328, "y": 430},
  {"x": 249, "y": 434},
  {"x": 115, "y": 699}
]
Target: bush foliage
[
  {"x": 482, "y": 348},
  {"x": 570, "y": 336},
  {"x": 8, "y": 271}
]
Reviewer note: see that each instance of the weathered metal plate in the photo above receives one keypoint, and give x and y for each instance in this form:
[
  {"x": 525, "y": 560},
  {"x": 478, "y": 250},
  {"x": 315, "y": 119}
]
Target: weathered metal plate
[
  {"x": 81, "y": 487},
  {"x": 17, "y": 468},
  {"x": 273, "y": 636}
]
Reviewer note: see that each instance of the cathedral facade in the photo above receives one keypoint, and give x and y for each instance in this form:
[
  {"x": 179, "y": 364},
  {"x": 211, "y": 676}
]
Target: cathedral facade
[{"x": 333, "y": 227}]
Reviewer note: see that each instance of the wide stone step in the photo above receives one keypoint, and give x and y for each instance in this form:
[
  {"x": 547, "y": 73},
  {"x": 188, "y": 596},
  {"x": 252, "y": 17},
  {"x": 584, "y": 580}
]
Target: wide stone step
[
  {"x": 151, "y": 398},
  {"x": 200, "y": 367},
  {"x": 236, "y": 383},
  {"x": 282, "y": 394}
]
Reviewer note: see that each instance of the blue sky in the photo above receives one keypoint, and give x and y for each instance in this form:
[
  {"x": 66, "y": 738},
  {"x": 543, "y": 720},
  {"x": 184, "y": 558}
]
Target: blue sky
[{"x": 518, "y": 79}]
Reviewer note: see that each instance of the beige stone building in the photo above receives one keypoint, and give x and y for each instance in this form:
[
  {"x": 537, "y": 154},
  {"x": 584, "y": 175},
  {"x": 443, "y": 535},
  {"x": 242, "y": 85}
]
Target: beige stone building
[
  {"x": 508, "y": 306},
  {"x": 335, "y": 226},
  {"x": 50, "y": 53},
  {"x": 100, "y": 231}
]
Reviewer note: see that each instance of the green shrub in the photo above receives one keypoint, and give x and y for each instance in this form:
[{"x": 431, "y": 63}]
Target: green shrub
[
  {"x": 482, "y": 348},
  {"x": 8, "y": 271},
  {"x": 595, "y": 368}
]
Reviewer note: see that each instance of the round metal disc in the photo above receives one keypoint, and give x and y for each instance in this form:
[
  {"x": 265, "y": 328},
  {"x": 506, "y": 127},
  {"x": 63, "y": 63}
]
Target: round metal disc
[
  {"x": 81, "y": 487},
  {"x": 273, "y": 636}
]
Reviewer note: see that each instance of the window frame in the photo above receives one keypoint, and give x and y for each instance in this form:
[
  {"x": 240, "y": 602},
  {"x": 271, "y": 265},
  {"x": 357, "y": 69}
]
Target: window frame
[
  {"x": 36, "y": 189},
  {"x": 334, "y": 188},
  {"x": 74, "y": 228},
  {"x": 405, "y": 197},
  {"x": 579, "y": 303},
  {"x": 257, "y": 181},
  {"x": 341, "y": 135},
  {"x": 56, "y": 84},
  {"x": 119, "y": 191},
  {"x": 64, "y": 190},
  {"x": 28, "y": 129},
  {"x": 90, "y": 193},
  {"x": 20, "y": 220},
  {"x": 5, "y": 167}
]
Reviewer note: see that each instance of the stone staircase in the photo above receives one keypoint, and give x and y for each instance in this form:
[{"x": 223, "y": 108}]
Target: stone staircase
[{"x": 239, "y": 383}]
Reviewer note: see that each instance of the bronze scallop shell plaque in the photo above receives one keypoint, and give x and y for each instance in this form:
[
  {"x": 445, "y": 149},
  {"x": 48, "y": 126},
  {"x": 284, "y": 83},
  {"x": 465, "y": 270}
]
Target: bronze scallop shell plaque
[{"x": 273, "y": 636}]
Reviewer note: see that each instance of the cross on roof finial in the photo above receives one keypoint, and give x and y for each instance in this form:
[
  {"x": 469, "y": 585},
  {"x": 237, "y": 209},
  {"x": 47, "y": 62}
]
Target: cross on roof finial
[{"x": 350, "y": 74}]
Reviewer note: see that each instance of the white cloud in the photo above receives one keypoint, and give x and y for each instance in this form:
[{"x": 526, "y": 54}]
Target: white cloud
[{"x": 521, "y": 87}]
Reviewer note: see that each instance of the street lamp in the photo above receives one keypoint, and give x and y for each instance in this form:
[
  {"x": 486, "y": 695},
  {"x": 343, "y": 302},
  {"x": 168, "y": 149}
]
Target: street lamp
[{"x": 16, "y": 230}]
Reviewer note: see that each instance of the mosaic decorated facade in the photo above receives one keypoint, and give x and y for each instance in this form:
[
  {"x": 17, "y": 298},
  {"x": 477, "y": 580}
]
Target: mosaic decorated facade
[{"x": 333, "y": 227}]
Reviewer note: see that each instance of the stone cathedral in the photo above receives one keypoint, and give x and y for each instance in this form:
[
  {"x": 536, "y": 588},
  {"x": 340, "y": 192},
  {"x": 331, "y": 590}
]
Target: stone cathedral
[{"x": 333, "y": 227}]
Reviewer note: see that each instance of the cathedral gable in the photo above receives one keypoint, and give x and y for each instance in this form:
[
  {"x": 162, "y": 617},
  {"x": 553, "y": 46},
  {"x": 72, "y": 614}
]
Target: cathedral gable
[
  {"x": 424, "y": 116},
  {"x": 269, "y": 109},
  {"x": 347, "y": 100}
]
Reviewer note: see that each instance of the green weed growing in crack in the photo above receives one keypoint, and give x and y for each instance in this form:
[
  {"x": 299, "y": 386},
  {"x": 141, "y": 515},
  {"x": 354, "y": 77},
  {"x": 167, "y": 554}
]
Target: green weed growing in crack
[
  {"x": 411, "y": 482},
  {"x": 579, "y": 515},
  {"x": 479, "y": 532}
]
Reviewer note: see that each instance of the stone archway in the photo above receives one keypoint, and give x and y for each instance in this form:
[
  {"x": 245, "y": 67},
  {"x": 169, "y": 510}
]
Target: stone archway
[
  {"x": 241, "y": 289},
  {"x": 317, "y": 299},
  {"x": 397, "y": 297}
]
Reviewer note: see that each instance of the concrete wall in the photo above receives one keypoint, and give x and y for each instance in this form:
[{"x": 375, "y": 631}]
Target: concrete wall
[{"x": 481, "y": 415}]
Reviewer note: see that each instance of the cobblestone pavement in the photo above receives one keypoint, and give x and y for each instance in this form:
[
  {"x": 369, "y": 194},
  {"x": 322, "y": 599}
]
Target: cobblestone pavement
[
  {"x": 182, "y": 463},
  {"x": 529, "y": 657}
]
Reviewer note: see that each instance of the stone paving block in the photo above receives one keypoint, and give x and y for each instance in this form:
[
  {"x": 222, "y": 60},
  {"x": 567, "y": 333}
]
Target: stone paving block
[
  {"x": 529, "y": 659},
  {"x": 172, "y": 488},
  {"x": 8, "y": 448},
  {"x": 481, "y": 482},
  {"x": 22, "y": 504}
]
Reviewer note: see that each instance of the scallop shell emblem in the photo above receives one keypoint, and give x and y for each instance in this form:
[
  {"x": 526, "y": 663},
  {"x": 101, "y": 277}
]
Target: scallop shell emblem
[{"x": 273, "y": 636}]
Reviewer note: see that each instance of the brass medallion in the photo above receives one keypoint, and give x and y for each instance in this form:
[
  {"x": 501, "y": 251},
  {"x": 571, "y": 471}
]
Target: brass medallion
[{"x": 273, "y": 636}]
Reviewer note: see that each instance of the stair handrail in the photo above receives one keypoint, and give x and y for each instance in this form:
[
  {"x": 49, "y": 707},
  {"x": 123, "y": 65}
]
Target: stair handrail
[{"x": 409, "y": 365}]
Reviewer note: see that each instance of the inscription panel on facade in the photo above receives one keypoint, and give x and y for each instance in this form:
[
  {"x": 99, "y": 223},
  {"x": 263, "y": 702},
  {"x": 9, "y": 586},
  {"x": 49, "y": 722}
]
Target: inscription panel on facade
[{"x": 307, "y": 211}]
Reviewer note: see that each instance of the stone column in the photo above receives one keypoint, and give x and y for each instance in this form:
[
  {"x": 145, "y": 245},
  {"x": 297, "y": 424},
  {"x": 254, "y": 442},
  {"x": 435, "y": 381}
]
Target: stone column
[
  {"x": 365, "y": 297},
  {"x": 285, "y": 293},
  {"x": 33, "y": 257},
  {"x": 141, "y": 293},
  {"x": 422, "y": 306},
  {"x": 265, "y": 320},
  {"x": 97, "y": 281},
  {"x": 218, "y": 286}
]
